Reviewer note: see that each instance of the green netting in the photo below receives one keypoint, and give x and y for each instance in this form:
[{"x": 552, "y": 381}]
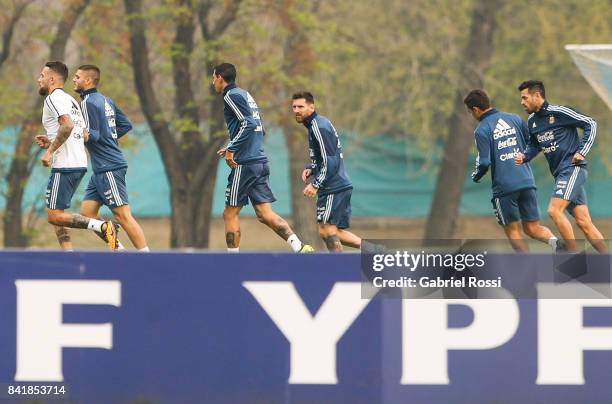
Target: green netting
[{"x": 390, "y": 175}]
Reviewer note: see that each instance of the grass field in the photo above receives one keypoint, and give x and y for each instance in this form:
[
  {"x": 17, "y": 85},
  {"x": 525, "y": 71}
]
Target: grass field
[{"x": 256, "y": 236}]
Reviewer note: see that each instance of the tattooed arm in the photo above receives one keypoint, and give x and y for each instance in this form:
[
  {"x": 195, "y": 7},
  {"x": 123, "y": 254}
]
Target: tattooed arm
[{"x": 64, "y": 131}]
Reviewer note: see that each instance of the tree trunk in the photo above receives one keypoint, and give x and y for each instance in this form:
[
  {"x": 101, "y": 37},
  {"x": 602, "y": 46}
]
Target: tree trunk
[
  {"x": 206, "y": 177},
  {"x": 203, "y": 194},
  {"x": 442, "y": 219},
  {"x": 300, "y": 67},
  {"x": 16, "y": 180},
  {"x": 190, "y": 162},
  {"x": 24, "y": 157},
  {"x": 303, "y": 209}
]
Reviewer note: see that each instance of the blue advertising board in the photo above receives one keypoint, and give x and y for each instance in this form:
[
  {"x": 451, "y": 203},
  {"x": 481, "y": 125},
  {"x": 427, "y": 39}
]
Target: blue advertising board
[{"x": 281, "y": 328}]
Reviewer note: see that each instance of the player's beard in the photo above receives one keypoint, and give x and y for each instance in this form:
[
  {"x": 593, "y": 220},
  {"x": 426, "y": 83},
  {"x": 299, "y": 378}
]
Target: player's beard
[{"x": 44, "y": 91}]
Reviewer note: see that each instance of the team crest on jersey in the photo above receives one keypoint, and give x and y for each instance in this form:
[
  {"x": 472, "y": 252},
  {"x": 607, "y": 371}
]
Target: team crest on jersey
[
  {"x": 551, "y": 119},
  {"x": 533, "y": 126}
]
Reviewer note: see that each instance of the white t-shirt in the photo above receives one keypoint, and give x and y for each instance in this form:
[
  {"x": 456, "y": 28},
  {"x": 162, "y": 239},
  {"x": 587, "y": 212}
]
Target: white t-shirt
[{"x": 71, "y": 154}]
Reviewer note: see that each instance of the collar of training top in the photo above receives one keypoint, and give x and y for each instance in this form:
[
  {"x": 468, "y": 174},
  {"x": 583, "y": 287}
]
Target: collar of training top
[
  {"x": 85, "y": 92},
  {"x": 57, "y": 88},
  {"x": 229, "y": 87},
  {"x": 543, "y": 108},
  {"x": 308, "y": 120},
  {"x": 489, "y": 112}
]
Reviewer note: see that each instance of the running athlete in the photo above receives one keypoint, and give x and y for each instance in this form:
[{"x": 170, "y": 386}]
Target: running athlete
[
  {"x": 326, "y": 177},
  {"x": 65, "y": 154},
  {"x": 106, "y": 123},
  {"x": 244, "y": 154},
  {"x": 553, "y": 130},
  {"x": 499, "y": 136}
]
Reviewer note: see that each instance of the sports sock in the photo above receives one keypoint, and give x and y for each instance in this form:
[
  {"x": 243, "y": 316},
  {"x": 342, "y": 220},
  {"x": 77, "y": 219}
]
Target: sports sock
[
  {"x": 145, "y": 249},
  {"x": 120, "y": 246},
  {"x": 95, "y": 225},
  {"x": 233, "y": 250},
  {"x": 294, "y": 242},
  {"x": 552, "y": 241}
]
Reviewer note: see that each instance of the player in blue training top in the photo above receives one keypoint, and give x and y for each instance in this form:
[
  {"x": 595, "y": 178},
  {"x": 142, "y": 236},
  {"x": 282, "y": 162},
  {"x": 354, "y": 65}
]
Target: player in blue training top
[
  {"x": 106, "y": 123},
  {"x": 329, "y": 181},
  {"x": 499, "y": 136},
  {"x": 245, "y": 155},
  {"x": 552, "y": 129}
]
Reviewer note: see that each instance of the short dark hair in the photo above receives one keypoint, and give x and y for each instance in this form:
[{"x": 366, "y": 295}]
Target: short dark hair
[
  {"x": 92, "y": 68},
  {"x": 534, "y": 86},
  {"x": 227, "y": 71},
  {"x": 307, "y": 95},
  {"x": 59, "y": 68},
  {"x": 477, "y": 98}
]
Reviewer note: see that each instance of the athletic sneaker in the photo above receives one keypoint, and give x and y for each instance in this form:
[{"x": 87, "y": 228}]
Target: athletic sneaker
[
  {"x": 110, "y": 233},
  {"x": 306, "y": 248},
  {"x": 102, "y": 234}
]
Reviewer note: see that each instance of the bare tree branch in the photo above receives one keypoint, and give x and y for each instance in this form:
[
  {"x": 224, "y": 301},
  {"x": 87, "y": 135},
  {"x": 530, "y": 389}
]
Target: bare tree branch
[
  {"x": 204, "y": 7},
  {"x": 228, "y": 16},
  {"x": 223, "y": 22},
  {"x": 69, "y": 18},
  {"x": 7, "y": 34}
]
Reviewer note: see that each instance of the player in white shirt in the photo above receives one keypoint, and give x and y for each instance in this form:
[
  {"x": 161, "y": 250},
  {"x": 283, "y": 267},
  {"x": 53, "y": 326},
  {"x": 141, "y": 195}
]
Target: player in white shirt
[{"x": 65, "y": 127}]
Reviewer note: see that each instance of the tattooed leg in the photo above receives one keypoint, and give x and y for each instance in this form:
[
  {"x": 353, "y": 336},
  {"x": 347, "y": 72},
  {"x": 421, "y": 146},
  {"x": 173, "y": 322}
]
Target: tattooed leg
[
  {"x": 63, "y": 237},
  {"x": 329, "y": 234},
  {"x": 232, "y": 226},
  {"x": 267, "y": 216},
  {"x": 280, "y": 227},
  {"x": 232, "y": 239},
  {"x": 333, "y": 243},
  {"x": 60, "y": 218},
  {"x": 79, "y": 222}
]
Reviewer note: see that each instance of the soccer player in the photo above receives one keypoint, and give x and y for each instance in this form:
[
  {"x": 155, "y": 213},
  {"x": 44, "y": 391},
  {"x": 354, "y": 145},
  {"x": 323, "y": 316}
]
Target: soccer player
[
  {"x": 106, "y": 123},
  {"x": 552, "y": 129},
  {"x": 245, "y": 155},
  {"x": 65, "y": 154},
  {"x": 326, "y": 177},
  {"x": 499, "y": 136}
]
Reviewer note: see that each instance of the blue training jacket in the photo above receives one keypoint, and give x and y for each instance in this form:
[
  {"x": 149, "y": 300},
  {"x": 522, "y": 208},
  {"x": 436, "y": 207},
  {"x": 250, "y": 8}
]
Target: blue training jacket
[
  {"x": 246, "y": 131},
  {"x": 106, "y": 123},
  {"x": 328, "y": 172},
  {"x": 553, "y": 130},
  {"x": 499, "y": 137}
]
